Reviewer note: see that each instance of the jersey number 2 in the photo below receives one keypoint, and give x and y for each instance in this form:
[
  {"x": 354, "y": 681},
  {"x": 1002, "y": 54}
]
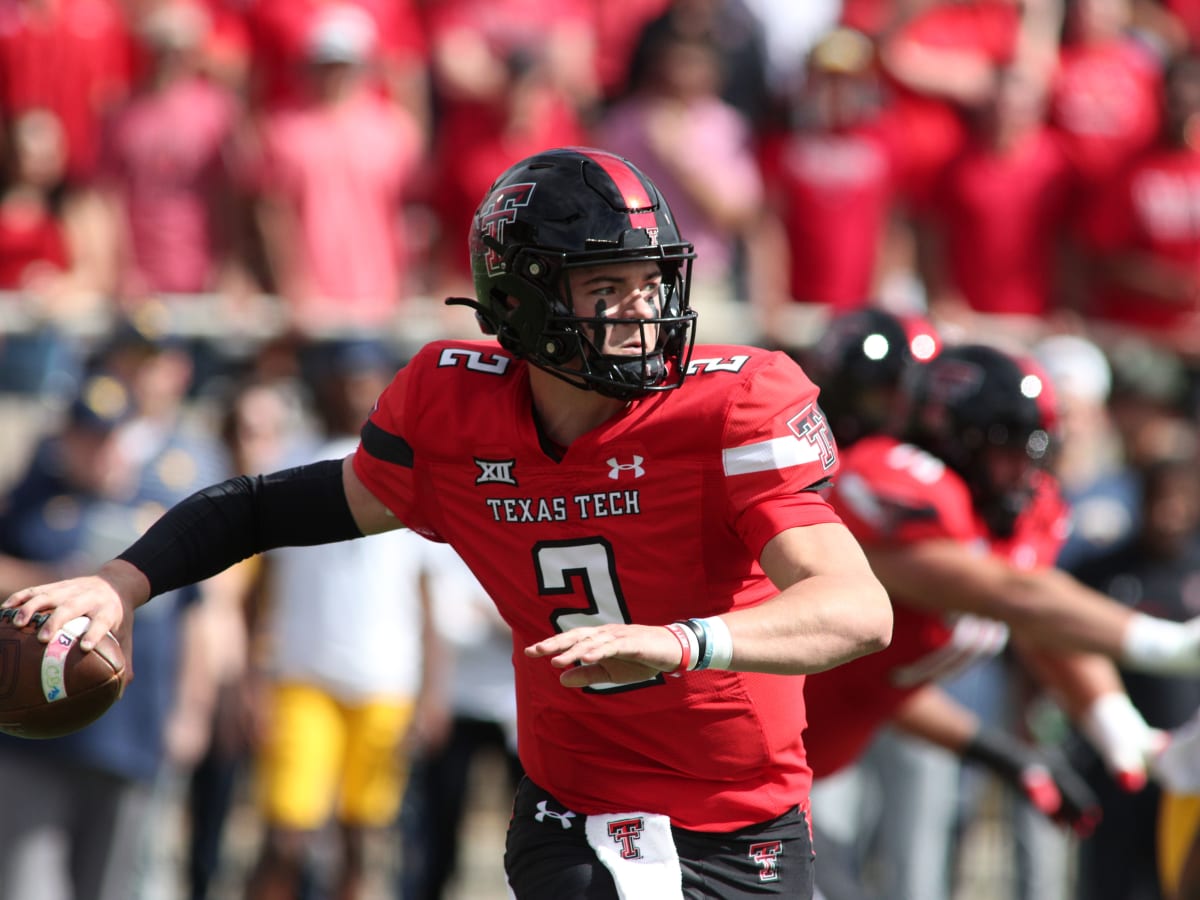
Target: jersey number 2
[{"x": 558, "y": 564}]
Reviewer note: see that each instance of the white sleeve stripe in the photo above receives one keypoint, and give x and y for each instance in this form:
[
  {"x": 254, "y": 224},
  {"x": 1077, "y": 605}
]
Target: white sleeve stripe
[{"x": 765, "y": 456}]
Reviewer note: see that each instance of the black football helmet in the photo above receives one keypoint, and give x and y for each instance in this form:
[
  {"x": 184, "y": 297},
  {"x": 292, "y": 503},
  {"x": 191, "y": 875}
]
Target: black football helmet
[
  {"x": 971, "y": 399},
  {"x": 860, "y": 362},
  {"x": 563, "y": 209}
]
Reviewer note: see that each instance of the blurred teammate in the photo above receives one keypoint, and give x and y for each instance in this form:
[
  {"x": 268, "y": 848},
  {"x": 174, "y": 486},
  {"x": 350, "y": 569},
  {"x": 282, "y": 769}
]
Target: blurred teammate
[
  {"x": 962, "y": 524},
  {"x": 604, "y": 482}
]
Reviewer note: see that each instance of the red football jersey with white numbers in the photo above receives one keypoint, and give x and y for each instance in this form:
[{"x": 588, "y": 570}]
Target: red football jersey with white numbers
[
  {"x": 892, "y": 494},
  {"x": 659, "y": 514}
]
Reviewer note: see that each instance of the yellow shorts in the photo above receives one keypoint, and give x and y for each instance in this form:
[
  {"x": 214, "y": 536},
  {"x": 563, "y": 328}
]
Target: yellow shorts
[
  {"x": 323, "y": 755},
  {"x": 1178, "y": 823}
]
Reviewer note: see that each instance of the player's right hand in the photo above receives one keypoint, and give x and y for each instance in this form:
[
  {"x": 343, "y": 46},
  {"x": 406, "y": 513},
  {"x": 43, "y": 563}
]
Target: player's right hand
[
  {"x": 107, "y": 598},
  {"x": 609, "y": 654}
]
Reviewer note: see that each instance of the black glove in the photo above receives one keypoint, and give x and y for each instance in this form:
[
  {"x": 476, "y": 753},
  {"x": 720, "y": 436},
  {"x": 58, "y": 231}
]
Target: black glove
[{"x": 1046, "y": 780}]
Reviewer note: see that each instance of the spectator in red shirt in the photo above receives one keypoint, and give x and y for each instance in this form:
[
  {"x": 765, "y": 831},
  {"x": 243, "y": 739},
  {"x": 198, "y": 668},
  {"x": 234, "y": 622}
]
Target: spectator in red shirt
[
  {"x": 1105, "y": 104},
  {"x": 941, "y": 63},
  {"x": 1144, "y": 234},
  {"x": 164, "y": 163},
  {"x": 279, "y": 33},
  {"x": 70, "y": 57},
  {"x": 335, "y": 172},
  {"x": 33, "y": 248},
  {"x": 51, "y": 239},
  {"x": 831, "y": 183},
  {"x": 993, "y": 237}
]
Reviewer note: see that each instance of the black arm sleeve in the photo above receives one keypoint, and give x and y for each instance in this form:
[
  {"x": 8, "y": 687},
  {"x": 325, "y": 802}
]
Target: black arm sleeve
[{"x": 223, "y": 524}]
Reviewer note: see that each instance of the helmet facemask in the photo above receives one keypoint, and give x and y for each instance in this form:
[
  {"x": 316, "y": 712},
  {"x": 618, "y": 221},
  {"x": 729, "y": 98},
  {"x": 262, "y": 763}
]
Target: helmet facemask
[
  {"x": 1003, "y": 476},
  {"x": 541, "y": 323},
  {"x": 989, "y": 417}
]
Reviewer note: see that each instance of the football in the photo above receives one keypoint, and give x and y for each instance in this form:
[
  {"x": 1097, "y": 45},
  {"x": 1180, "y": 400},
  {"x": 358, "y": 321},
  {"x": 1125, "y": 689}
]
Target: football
[{"x": 48, "y": 690}]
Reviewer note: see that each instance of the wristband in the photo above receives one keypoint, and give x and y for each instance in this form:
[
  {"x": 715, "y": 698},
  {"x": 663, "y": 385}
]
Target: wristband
[
  {"x": 701, "y": 636},
  {"x": 1121, "y": 736},
  {"x": 684, "y": 636},
  {"x": 719, "y": 647},
  {"x": 1160, "y": 646}
]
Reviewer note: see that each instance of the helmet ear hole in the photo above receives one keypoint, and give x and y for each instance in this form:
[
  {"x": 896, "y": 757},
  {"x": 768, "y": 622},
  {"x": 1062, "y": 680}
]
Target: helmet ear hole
[{"x": 556, "y": 350}]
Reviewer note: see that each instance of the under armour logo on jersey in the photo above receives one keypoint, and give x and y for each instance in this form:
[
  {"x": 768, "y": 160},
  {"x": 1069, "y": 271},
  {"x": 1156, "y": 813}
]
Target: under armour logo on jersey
[
  {"x": 626, "y": 832},
  {"x": 496, "y": 471},
  {"x": 615, "y": 468},
  {"x": 766, "y": 854},
  {"x": 543, "y": 814}
]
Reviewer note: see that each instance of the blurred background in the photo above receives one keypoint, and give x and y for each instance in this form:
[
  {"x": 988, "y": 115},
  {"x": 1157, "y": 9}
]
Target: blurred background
[{"x": 224, "y": 223}]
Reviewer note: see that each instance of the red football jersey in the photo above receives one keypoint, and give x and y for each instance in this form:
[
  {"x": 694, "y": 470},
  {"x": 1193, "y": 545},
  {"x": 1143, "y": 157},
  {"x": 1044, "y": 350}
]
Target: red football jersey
[
  {"x": 659, "y": 514},
  {"x": 893, "y": 494}
]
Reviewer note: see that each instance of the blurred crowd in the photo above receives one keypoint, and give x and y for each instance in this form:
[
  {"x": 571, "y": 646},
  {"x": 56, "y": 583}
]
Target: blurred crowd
[
  {"x": 222, "y": 222},
  {"x": 256, "y": 169}
]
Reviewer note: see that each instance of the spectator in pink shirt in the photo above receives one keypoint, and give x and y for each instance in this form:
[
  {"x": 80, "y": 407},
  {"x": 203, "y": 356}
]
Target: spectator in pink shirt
[
  {"x": 618, "y": 27},
  {"x": 334, "y": 176},
  {"x": 700, "y": 151},
  {"x": 163, "y": 164}
]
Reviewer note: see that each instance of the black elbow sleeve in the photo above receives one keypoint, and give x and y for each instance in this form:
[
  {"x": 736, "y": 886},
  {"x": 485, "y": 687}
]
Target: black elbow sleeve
[{"x": 223, "y": 524}]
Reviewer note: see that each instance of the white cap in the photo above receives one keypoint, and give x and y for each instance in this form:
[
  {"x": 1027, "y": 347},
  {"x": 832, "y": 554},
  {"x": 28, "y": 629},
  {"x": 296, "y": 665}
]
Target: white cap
[
  {"x": 341, "y": 34},
  {"x": 1076, "y": 366}
]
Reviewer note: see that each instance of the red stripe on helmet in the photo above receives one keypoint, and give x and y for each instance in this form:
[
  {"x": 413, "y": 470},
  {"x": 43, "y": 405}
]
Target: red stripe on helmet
[{"x": 630, "y": 187}]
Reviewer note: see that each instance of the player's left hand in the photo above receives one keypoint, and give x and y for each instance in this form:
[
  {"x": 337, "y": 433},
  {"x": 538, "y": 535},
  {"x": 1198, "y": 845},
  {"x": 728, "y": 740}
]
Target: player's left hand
[
  {"x": 1060, "y": 793},
  {"x": 612, "y": 654}
]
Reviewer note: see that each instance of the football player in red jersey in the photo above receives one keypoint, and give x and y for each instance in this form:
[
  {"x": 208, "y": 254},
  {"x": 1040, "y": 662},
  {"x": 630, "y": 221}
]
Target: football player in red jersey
[
  {"x": 861, "y": 364},
  {"x": 637, "y": 510},
  {"x": 962, "y": 523}
]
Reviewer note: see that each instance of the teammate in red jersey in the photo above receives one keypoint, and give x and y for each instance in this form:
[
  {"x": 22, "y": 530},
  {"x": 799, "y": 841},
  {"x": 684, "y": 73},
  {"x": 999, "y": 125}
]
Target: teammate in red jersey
[
  {"x": 637, "y": 511},
  {"x": 862, "y": 364},
  {"x": 962, "y": 523}
]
